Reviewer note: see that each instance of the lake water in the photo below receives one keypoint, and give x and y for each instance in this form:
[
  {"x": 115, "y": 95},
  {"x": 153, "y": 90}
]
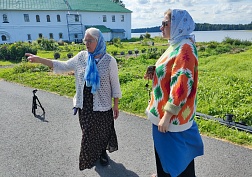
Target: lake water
[{"x": 206, "y": 36}]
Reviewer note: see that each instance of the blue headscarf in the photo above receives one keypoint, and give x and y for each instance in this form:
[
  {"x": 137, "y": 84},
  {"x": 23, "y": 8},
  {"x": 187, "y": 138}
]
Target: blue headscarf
[
  {"x": 91, "y": 76},
  {"x": 182, "y": 25}
]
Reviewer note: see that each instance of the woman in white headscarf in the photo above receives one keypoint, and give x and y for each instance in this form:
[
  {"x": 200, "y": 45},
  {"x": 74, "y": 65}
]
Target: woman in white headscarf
[
  {"x": 97, "y": 84},
  {"x": 172, "y": 107}
]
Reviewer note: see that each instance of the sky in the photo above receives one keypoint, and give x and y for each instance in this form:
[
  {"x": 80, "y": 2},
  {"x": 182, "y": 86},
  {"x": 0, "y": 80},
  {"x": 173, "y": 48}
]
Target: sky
[{"x": 150, "y": 13}]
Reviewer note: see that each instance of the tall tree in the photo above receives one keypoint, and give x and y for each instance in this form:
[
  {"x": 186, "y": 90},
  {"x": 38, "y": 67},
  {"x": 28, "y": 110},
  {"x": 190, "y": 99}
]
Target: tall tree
[{"x": 119, "y": 2}]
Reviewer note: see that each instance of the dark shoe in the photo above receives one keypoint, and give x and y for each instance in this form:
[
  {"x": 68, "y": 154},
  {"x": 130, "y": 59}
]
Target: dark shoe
[{"x": 104, "y": 159}]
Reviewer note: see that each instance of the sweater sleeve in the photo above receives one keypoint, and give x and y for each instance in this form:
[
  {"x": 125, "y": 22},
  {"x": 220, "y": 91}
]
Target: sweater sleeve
[
  {"x": 114, "y": 79},
  {"x": 65, "y": 66},
  {"x": 182, "y": 79}
]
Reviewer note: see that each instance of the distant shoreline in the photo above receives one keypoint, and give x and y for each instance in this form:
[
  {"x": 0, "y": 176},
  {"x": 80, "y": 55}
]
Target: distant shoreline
[
  {"x": 200, "y": 27},
  {"x": 194, "y": 30}
]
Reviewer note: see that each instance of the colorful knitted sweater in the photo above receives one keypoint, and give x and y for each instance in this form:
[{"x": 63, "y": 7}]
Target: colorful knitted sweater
[{"x": 174, "y": 86}]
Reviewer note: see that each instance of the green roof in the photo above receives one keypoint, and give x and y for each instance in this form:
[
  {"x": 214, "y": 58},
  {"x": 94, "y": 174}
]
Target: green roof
[
  {"x": 102, "y": 28},
  {"x": 96, "y": 5},
  {"x": 33, "y": 5},
  {"x": 75, "y": 5}
]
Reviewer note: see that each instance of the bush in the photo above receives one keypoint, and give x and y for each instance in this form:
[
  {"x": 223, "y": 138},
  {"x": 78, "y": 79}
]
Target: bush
[
  {"x": 48, "y": 45},
  {"x": 136, "y": 52},
  {"x": 147, "y": 35},
  {"x": 114, "y": 52},
  {"x": 15, "y": 52},
  {"x": 143, "y": 50},
  {"x": 70, "y": 55},
  {"x": 56, "y": 55},
  {"x": 130, "y": 52}
]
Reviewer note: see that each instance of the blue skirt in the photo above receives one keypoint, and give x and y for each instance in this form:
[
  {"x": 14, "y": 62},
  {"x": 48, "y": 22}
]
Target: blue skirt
[{"x": 177, "y": 149}]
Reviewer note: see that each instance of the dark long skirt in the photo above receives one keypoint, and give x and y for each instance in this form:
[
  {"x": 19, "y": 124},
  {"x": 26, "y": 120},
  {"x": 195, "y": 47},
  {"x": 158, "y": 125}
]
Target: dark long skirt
[{"x": 98, "y": 132}]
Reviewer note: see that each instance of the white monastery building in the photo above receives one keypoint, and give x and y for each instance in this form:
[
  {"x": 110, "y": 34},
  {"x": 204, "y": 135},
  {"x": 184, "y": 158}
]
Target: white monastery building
[{"x": 67, "y": 20}]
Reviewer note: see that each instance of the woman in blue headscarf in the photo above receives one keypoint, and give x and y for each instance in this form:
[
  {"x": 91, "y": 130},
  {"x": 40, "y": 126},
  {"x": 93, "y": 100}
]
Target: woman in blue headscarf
[
  {"x": 172, "y": 107},
  {"x": 97, "y": 85}
]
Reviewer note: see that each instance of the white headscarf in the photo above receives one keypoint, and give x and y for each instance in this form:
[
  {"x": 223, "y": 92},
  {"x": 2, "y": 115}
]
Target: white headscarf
[{"x": 182, "y": 25}]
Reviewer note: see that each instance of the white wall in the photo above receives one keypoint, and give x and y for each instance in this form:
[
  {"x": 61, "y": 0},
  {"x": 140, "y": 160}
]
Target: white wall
[{"x": 18, "y": 29}]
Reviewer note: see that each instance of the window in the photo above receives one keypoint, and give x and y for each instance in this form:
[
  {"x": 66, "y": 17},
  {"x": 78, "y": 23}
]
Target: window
[
  {"x": 77, "y": 18},
  {"x": 122, "y": 18},
  {"x": 40, "y": 35},
  {"x": 113, "y": 18},
  {"x": 26, "y": 18},
  {"x": 5, "y": 18},
  {"x": 76, "y": 36},
  {"x": 28, "y": 36},
  {"x": 37, "y": 18},
  {"x": 4, "y": 38},
  {"x": 58, "y": 18},
  {"x": 60, "y": 35},
  {"x": 104, "y": 18},
  {"x": 51, "y": 35},
  {"x": 48, "y": 18}
]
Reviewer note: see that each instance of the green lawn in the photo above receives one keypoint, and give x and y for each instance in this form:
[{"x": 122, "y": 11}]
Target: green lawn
[{"x": 225, "y": 82}]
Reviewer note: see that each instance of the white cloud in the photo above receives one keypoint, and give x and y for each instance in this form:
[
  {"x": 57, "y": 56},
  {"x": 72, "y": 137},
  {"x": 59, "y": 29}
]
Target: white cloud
[{"x": 149, "y": 13}]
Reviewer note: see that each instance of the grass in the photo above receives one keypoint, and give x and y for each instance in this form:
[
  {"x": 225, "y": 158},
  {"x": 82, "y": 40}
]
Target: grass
[
  {"x": 224, "y": 86},
  {"x": 5, "y": 63}
]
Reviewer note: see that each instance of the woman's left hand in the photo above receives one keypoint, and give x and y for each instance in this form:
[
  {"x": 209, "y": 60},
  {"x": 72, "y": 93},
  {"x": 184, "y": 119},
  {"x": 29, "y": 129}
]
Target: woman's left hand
[{"x": 116, "y": 112}]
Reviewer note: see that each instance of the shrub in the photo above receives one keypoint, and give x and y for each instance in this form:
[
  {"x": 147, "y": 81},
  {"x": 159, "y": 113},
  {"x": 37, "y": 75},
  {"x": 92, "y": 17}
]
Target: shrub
[
  {"x": 136, "y": 52},
  {"x": 48, "y": 45},
  {"x": 56, "y": 55},
  {"x": 147, "y": 35},
  {"x": 114, "y": 52},
  {"x": 16, "y": 51},
  {"x": 70, "y": 55},
  {"x": 143, "y": 50}
]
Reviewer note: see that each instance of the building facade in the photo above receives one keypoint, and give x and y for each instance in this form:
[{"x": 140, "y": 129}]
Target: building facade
[{"x": 66, "y": 20}]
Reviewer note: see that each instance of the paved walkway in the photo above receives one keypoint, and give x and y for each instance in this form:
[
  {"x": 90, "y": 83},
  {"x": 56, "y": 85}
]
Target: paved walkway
[{"x": 31, "y": 147}]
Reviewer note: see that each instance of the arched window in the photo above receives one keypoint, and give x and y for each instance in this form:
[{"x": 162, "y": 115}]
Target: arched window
[
  {"x": 4, "y": 38},
  {"x": 48, "y": 18},
  {"x": 5, "y": 18},
  {"x": 37, "y": 18},
  {"x": 29, "y": 36},
  {"x": 60, "y": 35},
  {"x": 51, "y": 35},
  {"x": 58, "y": 18}
]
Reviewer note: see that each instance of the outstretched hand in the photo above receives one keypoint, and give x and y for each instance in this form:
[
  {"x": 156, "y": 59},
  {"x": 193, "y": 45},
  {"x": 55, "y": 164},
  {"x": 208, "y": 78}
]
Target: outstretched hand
[{"x": 32, "y": 58}]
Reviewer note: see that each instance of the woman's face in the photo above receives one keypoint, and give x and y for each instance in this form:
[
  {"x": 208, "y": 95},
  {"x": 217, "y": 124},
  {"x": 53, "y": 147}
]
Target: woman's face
[
  {"x": 90, "y": 43},
  {"x": 166, "y": 27}
]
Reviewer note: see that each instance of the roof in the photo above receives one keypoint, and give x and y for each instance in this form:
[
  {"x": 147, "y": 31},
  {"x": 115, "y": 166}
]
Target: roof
[
  {"x": 97, "y": 5},
  {"x": 118, "y": 30},
  {"x": 75, "y": 5},
  {"x": 102, "y": 28},
  {"x": 33, "y": 5}
]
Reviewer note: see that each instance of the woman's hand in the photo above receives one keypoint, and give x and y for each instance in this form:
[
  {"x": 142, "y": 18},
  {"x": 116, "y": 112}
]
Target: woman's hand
[
  {"x": 163, "y": 124},
  {"x": 150, "y": 72},
  {"x": 36, "y": 59},
  {"x": 32, "y": 58},
  {"x": 148, "y": 76},
  {"x": 115, "y": 111},
  {"x": 115, "y": 108}
]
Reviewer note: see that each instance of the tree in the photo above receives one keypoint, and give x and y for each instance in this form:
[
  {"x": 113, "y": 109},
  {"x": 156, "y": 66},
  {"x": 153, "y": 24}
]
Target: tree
[{"x": 119, "y": 2}]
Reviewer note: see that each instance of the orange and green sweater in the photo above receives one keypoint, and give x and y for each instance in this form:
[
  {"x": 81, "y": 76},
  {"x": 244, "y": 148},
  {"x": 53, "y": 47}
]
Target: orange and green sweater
[{"x": 175, "y": 86}]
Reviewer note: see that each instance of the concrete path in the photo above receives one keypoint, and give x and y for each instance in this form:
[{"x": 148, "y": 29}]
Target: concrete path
[{"x": 32, "y": 147}]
